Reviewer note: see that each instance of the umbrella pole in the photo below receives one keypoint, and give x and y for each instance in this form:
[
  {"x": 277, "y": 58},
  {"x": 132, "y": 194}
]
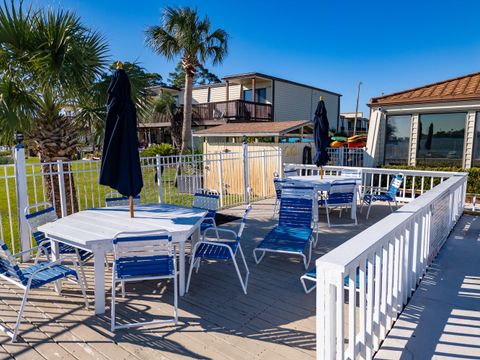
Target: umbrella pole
[
  {"x": 131, "y": 206},
  {"x": 321, "y": 172}
]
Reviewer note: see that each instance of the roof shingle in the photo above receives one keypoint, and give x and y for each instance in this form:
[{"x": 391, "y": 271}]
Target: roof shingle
[{"x": 461, "y": 88}]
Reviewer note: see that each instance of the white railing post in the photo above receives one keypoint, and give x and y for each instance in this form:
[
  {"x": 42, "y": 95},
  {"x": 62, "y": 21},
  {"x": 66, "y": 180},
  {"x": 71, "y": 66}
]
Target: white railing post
[
  {"x": 159, "y": 178},
  {"x": 280, "y": 163},
  {"x": 341, "y": 155},
  {"x": 245, "y": 172},
  {"x": 61, "y": 188},
  {"x": 220, "y": 179},
  {"x": 22, "y": 198},
  {"x": 264, "y": 173}
]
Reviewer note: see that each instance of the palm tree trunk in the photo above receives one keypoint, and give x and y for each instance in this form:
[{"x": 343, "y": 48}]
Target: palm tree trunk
[
  {"x": 55, "y": 139},
  {"x": 52, "y": 188},
  {"x": 187, "y": 113}
]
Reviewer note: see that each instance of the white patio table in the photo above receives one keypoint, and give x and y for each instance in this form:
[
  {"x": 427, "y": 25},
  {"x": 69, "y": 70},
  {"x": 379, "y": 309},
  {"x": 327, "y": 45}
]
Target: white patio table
[
  {"x": 323, "y": 184},
  {"x": 94, "y": 229}
]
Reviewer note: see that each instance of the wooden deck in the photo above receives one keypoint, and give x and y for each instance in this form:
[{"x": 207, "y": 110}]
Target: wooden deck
[{"x": 276, "y": 320}]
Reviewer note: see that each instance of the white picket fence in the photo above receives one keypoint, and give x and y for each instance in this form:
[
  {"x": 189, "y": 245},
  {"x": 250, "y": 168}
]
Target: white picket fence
[{"x": 363, "y": 284}]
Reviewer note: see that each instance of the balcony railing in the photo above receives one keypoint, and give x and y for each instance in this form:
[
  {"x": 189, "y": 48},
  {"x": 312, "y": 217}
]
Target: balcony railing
[{"x": 228, "y": 111}]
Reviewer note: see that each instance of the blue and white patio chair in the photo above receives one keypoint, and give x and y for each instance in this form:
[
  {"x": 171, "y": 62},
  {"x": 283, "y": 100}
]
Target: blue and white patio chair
[
  {"x": 207, "y": 199},
  {"x": 45, "y": 213},
  {"x": 353, "y": 173},
  {"x": 293, "y": 234},
  {"x": 388, "y": 196},
  {"x": 342, "y": 194},
  {"x": 139, "y": 256},
  {"x": 221, "y": 249},
  {"x": 311, "y": 278},
  {"x": 289, "y": 171},
  {"x": 119, "y": 200},
  {"x": 34, "y": 277},
  {"x": 277, "y": 184}
]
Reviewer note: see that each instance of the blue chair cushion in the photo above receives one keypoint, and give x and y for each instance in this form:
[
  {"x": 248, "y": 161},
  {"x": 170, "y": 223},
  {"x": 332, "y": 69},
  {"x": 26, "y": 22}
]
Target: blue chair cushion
[
  {"x": 48, "y": 275},
  {"x": 282, "y": 238},
  {"x": 338, "y": 199},
  {"x": 378, "y": 197},
  {"x": 215, "y": 252},
  {"x": 145, "y": 266}
]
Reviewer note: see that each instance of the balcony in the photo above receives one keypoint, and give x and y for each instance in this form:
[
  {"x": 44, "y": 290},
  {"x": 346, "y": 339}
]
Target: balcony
[{"x": 216, "y": 113}]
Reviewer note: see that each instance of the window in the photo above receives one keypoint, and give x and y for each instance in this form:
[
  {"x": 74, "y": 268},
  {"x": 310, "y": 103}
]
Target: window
[
  {"x": 476, "y": 149},
  {"x": 441, "y": 138},
  {"x": 397, "y": 139},
  {"x": 260, "y": 95}
]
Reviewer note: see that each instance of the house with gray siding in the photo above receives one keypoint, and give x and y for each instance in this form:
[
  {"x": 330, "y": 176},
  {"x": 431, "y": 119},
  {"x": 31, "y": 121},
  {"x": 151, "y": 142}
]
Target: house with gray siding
[
  {"x": 433, "y": 125},
  {"x": 254, "y": 97}
]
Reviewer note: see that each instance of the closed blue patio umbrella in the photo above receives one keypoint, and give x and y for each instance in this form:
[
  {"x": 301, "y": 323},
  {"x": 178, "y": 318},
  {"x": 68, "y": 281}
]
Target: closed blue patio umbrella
[
  {"x": 120, "y": 159},
  {"x": 320, "y": 136}
]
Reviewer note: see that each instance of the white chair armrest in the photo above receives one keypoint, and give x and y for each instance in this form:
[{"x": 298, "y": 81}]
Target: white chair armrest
[
  {"x": 224, "y": 231},
  {"x": 39, "y": 247}
]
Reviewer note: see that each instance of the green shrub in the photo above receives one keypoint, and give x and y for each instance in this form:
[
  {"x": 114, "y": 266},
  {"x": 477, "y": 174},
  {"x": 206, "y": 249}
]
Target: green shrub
[
  {"x": 161, "y": 149},
  {"x": 473, "y": 182},
  {"x": 5, "y": 160}
]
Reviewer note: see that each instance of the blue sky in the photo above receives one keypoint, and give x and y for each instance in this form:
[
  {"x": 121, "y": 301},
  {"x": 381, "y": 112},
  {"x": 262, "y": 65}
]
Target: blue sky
[{"x": 389, "y": 45}]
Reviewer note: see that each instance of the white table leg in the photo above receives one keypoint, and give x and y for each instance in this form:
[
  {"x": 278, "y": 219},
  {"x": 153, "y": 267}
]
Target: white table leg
[
  {"x": 181, "y": 268},
  {"x": 99, "y": 271},
  {"x": 55, "y": 256}
]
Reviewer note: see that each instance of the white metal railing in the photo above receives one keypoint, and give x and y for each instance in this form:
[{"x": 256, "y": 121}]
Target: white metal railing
[
  {"x": 72, "y": 186},
  {"x": 363, "y": 284},
  {"x": 346, "y": 156},
  {"x": 416, "y": 182}
]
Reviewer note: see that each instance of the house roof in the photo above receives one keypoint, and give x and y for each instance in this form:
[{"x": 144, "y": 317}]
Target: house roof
[
  {"x": 270, "y": 77},
  {"x": 244, "y": 76},
  {"x": 462, "y": 88},
  {"x": 276, "y": 128}
]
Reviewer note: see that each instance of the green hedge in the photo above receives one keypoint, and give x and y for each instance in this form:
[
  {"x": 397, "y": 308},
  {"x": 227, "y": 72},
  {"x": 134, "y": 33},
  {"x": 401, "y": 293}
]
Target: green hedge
[
  {"x": 161, "y": 149},
  {"x": 473, "y": 182},
  {"x": 4, "y": 160}
]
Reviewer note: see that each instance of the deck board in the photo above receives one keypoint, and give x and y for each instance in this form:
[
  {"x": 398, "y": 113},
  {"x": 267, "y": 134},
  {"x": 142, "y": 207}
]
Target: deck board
[{"x": 276, "y": 320}]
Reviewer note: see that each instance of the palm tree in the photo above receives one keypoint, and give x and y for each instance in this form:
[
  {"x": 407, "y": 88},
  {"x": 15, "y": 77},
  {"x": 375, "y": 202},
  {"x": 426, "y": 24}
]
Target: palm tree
[
  {"x": 165, "y": 105},
  {"x": 182, "y": 33},
  {"x": 48, "y": 59}
]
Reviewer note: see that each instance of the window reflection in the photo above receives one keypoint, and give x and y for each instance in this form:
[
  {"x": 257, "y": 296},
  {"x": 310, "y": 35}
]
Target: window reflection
[
  {"x": 397, "y": 139},
  {"x": 441, "y": 138}
]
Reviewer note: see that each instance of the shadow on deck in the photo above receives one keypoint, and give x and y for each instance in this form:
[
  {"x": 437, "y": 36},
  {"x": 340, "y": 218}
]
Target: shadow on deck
[{"x": 442, "y": 320}]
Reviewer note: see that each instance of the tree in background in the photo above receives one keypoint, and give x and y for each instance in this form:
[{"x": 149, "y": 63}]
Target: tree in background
[
  {"x": 92, "y": 110},
  {"x": 202, "y": 77},
  {"x": 182, "y": 33},
  {"x": 48, "y": 60},
  {"x": 166, "y": 105}
]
